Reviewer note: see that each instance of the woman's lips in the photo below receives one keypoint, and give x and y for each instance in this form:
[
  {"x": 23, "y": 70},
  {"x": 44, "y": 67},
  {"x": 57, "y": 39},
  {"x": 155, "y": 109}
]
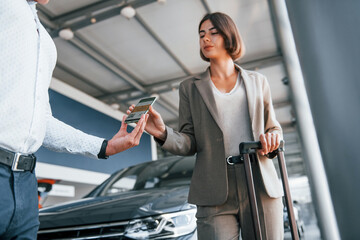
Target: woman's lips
[{"x": 208, "y": 47}]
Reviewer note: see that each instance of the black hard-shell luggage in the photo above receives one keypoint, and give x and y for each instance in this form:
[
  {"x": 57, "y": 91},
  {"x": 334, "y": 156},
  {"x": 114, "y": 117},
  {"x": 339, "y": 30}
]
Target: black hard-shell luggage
[{"x": 247, "y": 149}]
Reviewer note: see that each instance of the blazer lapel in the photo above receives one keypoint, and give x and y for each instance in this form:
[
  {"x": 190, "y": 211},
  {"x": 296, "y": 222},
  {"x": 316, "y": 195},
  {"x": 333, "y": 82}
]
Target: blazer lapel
[
  {"x": 250, "y": 94},
  {"x": 206, "y": 92},
  {"x": 205, "y": 89}
]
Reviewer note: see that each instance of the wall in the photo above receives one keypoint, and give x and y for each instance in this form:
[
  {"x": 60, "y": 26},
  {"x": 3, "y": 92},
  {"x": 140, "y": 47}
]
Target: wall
[
  {"x": 78, "y": 168},
  {"x": 327, "y": 37}
]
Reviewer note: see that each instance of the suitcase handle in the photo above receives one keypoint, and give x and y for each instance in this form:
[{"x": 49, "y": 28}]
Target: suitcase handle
[
  {"x": 247, "y": 148},
  {"x": 250, "y": 147}
]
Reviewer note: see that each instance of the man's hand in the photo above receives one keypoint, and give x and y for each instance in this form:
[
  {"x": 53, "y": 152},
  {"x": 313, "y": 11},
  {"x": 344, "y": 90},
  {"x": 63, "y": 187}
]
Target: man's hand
[
  {"x": 269, "y": 142},
  {"x": 124, "y": 140},
  {"x": 155, "y": 126}
]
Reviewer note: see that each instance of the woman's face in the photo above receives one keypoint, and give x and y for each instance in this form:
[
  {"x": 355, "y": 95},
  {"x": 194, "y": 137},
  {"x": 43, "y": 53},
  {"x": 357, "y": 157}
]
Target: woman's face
[{"x": 211, "y": 41}]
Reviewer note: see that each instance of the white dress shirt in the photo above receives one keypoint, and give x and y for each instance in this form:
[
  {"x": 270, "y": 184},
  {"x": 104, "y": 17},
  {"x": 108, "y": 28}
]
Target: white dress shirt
[{"x": 27, "y": 60}]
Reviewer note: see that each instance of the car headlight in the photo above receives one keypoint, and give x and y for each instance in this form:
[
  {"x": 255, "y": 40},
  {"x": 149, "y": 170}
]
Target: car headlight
[{"x": 163, "y": 226}]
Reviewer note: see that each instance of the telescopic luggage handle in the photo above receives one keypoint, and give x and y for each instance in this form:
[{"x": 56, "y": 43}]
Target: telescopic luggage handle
[
  {"x": 247, "y": 148},
  {"x": 251, "y": 147}
]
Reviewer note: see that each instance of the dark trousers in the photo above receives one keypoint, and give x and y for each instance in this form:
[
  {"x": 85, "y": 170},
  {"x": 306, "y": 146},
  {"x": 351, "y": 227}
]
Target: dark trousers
[
  {"x": 224, "y": 222},
  {"x": 19, "y": 214}
]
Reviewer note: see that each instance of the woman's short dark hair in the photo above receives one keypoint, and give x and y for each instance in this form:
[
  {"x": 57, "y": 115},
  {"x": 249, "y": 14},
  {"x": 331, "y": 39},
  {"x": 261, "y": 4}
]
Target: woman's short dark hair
[{"x": 228, "y": 30}]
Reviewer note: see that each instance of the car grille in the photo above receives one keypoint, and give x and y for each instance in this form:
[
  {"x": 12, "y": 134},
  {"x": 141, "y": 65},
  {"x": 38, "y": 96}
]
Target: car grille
[{"x": 99, "y": 231}]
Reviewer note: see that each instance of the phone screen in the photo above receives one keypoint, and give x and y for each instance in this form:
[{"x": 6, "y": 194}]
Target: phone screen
[{"x": 141, "y": 108}]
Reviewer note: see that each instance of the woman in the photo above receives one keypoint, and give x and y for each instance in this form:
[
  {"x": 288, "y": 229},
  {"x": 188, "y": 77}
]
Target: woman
[{"x": 219, "y": 109}]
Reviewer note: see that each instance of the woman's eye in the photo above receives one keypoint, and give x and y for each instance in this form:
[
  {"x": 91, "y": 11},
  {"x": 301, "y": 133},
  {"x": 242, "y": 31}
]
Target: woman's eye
[
  {"x": 213, "y": 33},
  {"x": 201, "y": 36}
]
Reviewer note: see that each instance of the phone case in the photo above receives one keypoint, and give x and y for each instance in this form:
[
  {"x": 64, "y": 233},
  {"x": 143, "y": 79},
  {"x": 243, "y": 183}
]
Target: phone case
[{"x": 129, "y": 118}]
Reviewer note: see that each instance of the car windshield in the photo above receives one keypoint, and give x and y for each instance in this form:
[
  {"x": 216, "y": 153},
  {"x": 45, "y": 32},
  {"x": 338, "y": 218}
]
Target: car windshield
[{"x": 156, "y": 174}]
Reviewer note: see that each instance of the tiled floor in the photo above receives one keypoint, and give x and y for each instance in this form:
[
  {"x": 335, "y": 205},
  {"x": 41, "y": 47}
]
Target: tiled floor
[{"x": 312, "y": 232}]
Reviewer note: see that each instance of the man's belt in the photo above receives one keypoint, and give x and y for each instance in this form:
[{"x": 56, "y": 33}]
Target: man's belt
[{"x": 17, "y": 161}]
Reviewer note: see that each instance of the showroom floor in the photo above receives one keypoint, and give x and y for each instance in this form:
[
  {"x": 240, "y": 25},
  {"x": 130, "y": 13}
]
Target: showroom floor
[{"x": 312, "y": 232}]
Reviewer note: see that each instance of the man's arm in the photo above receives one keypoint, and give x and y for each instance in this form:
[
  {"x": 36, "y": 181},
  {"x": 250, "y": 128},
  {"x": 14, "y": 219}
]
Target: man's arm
[{"x": 61, "y": 137}]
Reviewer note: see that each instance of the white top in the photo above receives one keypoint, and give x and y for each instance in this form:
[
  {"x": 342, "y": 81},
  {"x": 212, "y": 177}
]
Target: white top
[
  {"x": 27, "y": 60},
  {"x": 232, "y": 108}
]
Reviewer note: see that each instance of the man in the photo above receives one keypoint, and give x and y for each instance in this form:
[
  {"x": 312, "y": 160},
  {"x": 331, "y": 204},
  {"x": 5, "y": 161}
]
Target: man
[{"x": 27, "y": 60}]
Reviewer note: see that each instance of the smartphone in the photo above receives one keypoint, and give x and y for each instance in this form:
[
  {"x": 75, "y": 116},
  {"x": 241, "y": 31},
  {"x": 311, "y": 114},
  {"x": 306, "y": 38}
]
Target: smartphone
[{"x": 141, "y": 108}]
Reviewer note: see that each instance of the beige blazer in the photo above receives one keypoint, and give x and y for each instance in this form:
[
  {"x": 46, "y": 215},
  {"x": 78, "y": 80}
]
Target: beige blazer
[{"x": 199, "y": 132}]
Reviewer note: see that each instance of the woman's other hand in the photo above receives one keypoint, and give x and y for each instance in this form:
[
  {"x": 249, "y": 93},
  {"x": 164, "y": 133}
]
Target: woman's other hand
[
  {"x": 269, "y": 142},
  {"x": 155, "y": 124}
]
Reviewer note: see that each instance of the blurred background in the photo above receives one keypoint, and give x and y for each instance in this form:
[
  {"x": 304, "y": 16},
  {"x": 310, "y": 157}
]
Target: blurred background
[{"x": 111, "y": 53}]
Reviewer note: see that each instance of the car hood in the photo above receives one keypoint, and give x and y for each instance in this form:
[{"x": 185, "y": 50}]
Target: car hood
[{"x": 124, "y": 206}]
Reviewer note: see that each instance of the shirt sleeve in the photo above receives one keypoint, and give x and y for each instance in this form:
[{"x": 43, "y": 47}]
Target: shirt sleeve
[{"x": 61, "y": 137}]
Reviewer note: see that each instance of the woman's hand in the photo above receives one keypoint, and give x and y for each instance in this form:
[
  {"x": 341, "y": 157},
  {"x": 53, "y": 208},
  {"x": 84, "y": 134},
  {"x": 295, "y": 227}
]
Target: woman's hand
[
  {"x": 155, "y": 124},
  {"x": 269, "y": 142}
]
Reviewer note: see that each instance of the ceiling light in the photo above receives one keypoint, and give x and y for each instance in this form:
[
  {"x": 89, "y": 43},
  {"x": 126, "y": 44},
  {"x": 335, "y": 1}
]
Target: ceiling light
[
  {"x": 115, "y": 106},
  {"x": 66, "y": 34},
  {"x": 93, "y": 20},
  {"x": 155, "y": 95},
  {"x": 128, "y": 12},
  {"x": 161, "y": 1}
]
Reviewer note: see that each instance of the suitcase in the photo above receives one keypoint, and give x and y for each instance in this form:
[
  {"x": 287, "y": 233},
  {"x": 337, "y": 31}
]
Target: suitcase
[{"x": 247, "y": 149}]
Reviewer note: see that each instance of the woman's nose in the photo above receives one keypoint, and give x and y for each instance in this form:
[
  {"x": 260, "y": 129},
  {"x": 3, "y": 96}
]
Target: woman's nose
[{"x": 206, "y": 38}]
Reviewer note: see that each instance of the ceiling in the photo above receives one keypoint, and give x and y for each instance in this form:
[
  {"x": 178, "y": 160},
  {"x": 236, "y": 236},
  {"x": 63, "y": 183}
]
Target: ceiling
[{"x": 119, "y": 60}]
